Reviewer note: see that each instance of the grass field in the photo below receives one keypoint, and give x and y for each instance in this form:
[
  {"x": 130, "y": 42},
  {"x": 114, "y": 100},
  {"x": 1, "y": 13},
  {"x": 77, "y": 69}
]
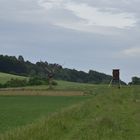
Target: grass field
[
  {"x": 70, "y": 111},
  {"x": 20, "y": 110},
  {"x": 20, "y": 92},
  {"x": 4, "y": 77},
  {"x": 109, "y": 114},
  {"x": 62, "y": 86}
]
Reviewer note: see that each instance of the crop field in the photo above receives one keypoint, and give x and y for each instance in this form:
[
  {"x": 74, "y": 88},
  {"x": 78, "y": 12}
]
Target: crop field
[
  {"x": 70, "y": 111},
  {"x": 106, "y": 114},
  {"x": 20, "y": 110}
]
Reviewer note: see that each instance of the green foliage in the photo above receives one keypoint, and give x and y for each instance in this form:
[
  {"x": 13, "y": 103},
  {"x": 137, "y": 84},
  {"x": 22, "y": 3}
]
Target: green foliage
[
  {"x": 33, "y": 81},
  {"x": 37, "y": 81},
  {"x": 1, "y": 86},
  {"x": 21, "y": 59},
  {"x": 11, "y": 64},
  {"x": 135, "y": 80},
  {"x": 93, "y": 77},
  {"x": 54, "y": 83},
  {"x": 16, "y": 83}
]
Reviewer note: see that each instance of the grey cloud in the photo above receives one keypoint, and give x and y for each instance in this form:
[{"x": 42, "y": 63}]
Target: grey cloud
[{"x": 26, "y": 28}]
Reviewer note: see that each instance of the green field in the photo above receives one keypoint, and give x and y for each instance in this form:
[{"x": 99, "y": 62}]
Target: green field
[
  {"x": 109, "y": 114},
  {"x": 71, "y": 111},
  {"x": 20, "y": 110},
  {"x": 62, "y": 85},
  {"x": 4, "y": 77}
]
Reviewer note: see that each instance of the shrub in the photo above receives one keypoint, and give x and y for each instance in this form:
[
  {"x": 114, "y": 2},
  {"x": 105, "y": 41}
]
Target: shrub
[
  {"x": 31, "y": 82},
  {"x": 1, "y": 85},
  {"x": 54, "y": 83},
  {"x": 37, "y": 81},
  {"x": 15, "y": 83},
  {"x": 34, "y": 81}
]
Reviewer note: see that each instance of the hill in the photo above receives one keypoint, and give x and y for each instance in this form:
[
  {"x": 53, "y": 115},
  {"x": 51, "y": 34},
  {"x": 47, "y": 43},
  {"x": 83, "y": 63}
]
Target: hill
[
  {"x": 4, "y": 77},
  {"x": 18, "y": 66}
]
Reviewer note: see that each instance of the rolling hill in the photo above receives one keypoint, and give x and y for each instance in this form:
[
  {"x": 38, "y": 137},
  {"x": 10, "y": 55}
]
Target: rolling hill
[
  {"x": 4, "y": 77},
  {"x": 18, "y": 66}
]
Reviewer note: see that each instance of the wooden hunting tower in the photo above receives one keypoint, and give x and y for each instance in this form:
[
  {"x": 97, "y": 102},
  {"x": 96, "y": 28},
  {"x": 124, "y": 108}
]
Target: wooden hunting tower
[
  {"x": 116, "y": 74},
  {"x": 116, "y": 78}
]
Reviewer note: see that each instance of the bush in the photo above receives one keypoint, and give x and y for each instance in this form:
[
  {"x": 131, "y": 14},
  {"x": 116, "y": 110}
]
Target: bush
[
  {"x": 16, "y": 83},
  {"x": 54, "y": 83},
  {"x": 1, "y": 86},
  {"x": 34, "y": 81},
  {"x": 37, "y": 81}
]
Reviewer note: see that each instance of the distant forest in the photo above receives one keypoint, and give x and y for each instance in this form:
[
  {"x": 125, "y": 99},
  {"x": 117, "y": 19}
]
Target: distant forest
[
  {"x": 135, "y": 81},
  {"x": 18, "y": 66}
]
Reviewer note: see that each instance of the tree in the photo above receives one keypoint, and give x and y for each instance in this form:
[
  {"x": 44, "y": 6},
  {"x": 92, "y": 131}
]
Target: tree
[
  {"x": 51, "y": 70},
  {"x": 20, "y": 58},
  {"x": 135, "y": 80}
]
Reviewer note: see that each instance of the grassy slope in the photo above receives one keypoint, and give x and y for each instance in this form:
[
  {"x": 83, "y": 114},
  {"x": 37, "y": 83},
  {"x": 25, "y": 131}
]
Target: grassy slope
[
  {"x": 112, "y": 115},
  {"x": 62, "y": 85},
  {"x": 67, "y": 86},
  {"x": 4, "y": 77}
]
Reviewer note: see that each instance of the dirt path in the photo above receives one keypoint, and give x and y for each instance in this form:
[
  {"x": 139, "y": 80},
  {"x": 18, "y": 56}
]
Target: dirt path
[{"x": 40, "y": 93}]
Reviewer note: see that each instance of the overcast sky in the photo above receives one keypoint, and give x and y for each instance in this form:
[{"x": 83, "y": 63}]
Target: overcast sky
[{"x": 81, "y": 34}]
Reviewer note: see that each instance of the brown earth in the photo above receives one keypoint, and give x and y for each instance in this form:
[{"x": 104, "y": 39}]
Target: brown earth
[{"x": 40, "y": 93}]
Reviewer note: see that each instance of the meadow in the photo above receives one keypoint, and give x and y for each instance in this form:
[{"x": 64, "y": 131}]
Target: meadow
[
  {"x": 20, "y": 110},
  {"x": 4, "y": 77},
  {"x": 81, "y": 112}
]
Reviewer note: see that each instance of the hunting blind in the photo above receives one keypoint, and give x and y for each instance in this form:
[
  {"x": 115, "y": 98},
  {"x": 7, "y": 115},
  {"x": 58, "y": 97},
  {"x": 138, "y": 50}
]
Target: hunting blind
[{"x": 116, "y": 78}]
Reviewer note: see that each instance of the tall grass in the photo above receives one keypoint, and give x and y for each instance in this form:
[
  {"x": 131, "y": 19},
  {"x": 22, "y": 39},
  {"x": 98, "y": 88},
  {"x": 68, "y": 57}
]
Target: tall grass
[
  {"x": 110, "y": 114},
  {"x": 16, "y": 111}
]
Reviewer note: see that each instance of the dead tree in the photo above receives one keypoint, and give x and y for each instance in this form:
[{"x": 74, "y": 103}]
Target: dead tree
[{"x": 51, "y": 71}]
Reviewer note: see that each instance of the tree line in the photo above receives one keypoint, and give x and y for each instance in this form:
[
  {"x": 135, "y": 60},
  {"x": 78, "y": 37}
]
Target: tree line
[
  {"x": 18, "y": 66},
  {"x": 135, "y": 81}
]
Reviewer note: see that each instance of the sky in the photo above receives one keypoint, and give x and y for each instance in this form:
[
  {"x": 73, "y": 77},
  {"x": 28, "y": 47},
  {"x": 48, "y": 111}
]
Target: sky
[{"x": 80, "y": 34}]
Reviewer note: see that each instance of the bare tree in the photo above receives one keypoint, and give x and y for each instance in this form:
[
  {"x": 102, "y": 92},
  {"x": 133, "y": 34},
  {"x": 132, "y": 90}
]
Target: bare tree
[{"x": 51, "y": 71}]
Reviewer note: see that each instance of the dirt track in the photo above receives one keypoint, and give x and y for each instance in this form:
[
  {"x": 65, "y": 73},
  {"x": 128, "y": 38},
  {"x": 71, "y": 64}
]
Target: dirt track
[{"x": 40, "y": 93}]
